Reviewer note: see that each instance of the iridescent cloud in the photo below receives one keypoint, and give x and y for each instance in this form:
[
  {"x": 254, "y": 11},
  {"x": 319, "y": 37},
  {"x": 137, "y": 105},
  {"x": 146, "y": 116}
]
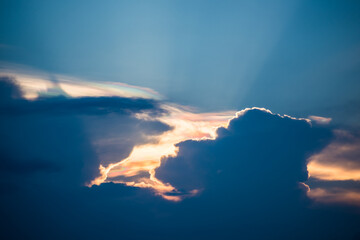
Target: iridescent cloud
[{"x": 35, "y": 84}]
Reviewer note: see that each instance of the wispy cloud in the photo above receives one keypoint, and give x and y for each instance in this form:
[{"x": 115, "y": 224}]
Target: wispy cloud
[
  {"x": 36, "y": 83},
  {"x": 338, "y": 163}
]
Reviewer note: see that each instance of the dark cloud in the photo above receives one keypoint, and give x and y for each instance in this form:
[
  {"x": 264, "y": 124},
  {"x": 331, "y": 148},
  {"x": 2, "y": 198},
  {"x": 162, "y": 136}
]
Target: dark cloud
[
  {"x": 8, "y": 91},
  {"x": 264, "y": 149},
  {"x": 85, "y": 105},
  {"x": 114, "y": 136},
  {"x": 66, "y": 137},
  {"x": 62, "y": 105},
  {"x": 248, "y": 178}
]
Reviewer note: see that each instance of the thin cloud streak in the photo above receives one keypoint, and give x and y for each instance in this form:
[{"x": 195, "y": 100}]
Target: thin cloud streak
[
  {"x": 335, "y": 196},
  {"x": 35, "y": 84}
]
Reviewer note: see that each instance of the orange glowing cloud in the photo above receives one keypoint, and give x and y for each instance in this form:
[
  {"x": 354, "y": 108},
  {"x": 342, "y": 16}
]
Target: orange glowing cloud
[
  {"x": 335, "y": 195},
  {"x": 339, "y": 160},
  {"x": 320, "y": 120},
  {"x": 186, "y": 125},
  {"x": 329, "y": 172}
]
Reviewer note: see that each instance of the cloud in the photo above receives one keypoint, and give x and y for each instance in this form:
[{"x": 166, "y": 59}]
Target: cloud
[
  {"x": 240, "y": 182},
  {"x": 335, "y": 192},
  {"x": 185, "y": 124},
  {"x": 335, "y": 171},
  {"x": 66, "y": 137},
  {"x": 264, "y": 148},
  {"x": 85, "y": 105},
  {"x": 35, "y": 83},
  {"x": 114, "y": 125},
  {"x": 249, "y": 181},
  {"x": 340, "y": 160},
  {"x": 320, "y": 120}
]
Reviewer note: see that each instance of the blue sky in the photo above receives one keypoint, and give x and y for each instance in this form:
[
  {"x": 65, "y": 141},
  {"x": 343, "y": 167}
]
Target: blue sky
[
  {"x": 289, "y": 55},
  {"x": 179, "y": 119}
]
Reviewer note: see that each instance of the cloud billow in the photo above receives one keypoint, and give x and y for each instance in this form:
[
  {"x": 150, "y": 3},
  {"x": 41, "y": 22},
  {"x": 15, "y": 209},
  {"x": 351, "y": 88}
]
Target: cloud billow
[
  {"x": 258, "y": 148},
  {"x": 247, "y": 178},
  {"x": 250, "y": 181}
]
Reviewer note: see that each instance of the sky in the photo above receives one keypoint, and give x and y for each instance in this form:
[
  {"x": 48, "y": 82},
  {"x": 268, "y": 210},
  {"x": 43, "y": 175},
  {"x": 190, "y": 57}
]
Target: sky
[{"x": 179, "y": 119}]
